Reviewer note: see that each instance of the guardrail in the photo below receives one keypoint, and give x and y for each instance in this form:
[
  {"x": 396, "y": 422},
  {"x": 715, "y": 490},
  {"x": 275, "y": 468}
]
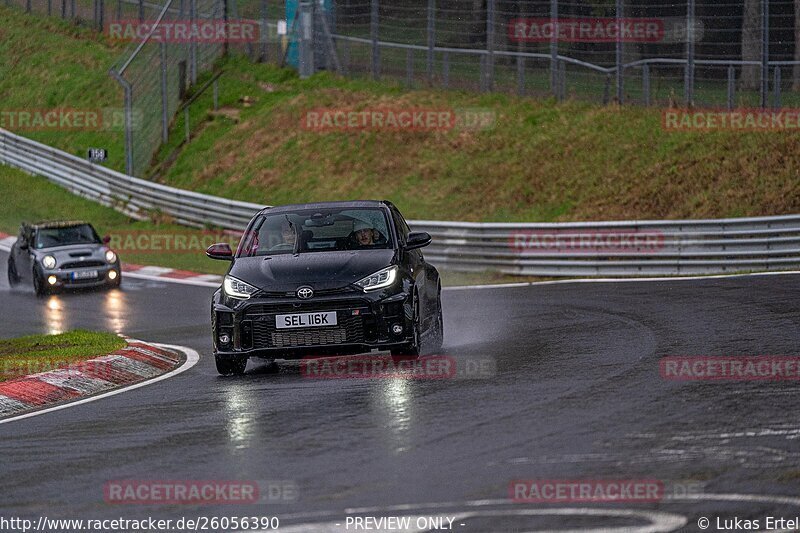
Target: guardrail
[{"x": 628, "y": 248}]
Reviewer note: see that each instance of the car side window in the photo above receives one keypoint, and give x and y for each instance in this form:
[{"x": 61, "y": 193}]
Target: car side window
[{"x": 402, "y": 226}]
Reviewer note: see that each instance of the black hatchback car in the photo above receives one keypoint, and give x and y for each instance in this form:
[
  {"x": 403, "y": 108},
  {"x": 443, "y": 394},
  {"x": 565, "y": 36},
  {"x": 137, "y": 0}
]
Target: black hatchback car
[
  {"x": 325, "y": 278},
  {"x": 62, "y": 254}
]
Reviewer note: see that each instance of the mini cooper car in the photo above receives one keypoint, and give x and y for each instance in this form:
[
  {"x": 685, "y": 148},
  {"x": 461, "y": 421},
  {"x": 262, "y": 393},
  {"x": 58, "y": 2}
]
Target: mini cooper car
[
  {"x": 325, "y": 278},
  {"x": 57, "y": 255}
]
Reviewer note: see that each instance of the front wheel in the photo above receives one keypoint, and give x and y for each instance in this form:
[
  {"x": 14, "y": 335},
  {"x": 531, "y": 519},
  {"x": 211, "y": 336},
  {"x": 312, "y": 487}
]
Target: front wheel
[
  {"x": 39, "y": 285},
  {"x": 231, "y": 366},
  {"x": 13, "y": 276},
  {"x": 414, "y": 348}
]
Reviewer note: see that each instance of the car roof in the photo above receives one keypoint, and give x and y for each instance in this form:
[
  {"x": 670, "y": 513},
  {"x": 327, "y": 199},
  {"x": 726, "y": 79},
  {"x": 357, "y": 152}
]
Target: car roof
[
  {"x": 326, "y": 205},
  {"x": 49, "y": 224}
]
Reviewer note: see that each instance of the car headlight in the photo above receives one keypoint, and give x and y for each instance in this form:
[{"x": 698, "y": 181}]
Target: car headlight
[
  {"x": 111, "y": 257},
  {"x": 236, "y": 288},
  {"x": 49, "y": 262},
  {"x": 379, "y": 280}
]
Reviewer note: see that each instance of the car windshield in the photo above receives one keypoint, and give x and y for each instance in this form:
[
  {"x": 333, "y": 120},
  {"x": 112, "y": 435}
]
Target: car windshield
[
  {"x": 52, "y": 237},
  {"x": 318, "y": 230}
]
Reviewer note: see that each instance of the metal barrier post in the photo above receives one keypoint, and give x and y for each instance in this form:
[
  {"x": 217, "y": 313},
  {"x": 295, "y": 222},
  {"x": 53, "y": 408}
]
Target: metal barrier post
[
  {"x": 688, "y": 89},
  {"x": 431, "y": 40},
  {"x": 128, "y": 103},
  {"x": 554, "y": 47},
  {"x": 620, "y": 79},
  {"x": 520, "y": 75},
  {"x": 193, "y": 44},
  {"x": 764, "y": 52},
  {"x": 264, "y": 37},
  {"x": 731, "y": 86},
  {"x": 373, "y": 29},
  {"x": 164, "y": 96},
  {"x": 490, "y": 17},
  {"x": 776, "y": 89},
  {"x": 646, "y": 84}
]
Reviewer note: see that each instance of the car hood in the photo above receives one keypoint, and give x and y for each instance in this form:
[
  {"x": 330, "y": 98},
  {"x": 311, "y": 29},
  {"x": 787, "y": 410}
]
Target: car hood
[
  {"x": 319, "y": 270},
  {"x": 73, "y": 253}
]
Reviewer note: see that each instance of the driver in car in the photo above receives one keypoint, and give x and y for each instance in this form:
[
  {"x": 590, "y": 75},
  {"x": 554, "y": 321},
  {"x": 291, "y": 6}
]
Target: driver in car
[
  {"x": 364, "y": 233},
  {"x": 288, "y": 235}
]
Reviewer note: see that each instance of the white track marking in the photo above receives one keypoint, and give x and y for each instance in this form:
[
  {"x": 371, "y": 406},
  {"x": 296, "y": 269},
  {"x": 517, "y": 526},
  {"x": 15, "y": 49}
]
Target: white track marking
[
  {"x": 188, "y": 281},
  {"x": 192, "y": 357},
  {"x": 617, "y": 280}
]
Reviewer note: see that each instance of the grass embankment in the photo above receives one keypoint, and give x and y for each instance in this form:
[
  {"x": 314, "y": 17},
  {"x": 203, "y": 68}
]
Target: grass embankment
[
  {"x": 49, "y": 63},
  {"x": 541, "y": 161},
  {"x": 39, "y": 353}
]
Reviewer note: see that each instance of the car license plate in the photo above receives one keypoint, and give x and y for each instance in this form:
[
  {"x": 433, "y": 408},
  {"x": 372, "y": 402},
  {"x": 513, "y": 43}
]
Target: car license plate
[
  {"x": 84, "y": 274},
  {"x": 306, "y": 320}
]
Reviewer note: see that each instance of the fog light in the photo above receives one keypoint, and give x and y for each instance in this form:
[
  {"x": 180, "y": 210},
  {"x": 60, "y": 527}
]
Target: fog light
[
  {"x": 224, "y": 338},
  {"x": 397, "y": 329},
  {"x": 52, "y": 280},
  {"x": 112, "y": 274}
]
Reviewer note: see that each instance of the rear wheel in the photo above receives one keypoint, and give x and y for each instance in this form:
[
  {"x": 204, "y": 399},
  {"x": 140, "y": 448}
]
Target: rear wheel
[
  {"x": 437, "y": 336},
  {"x": 13, "y": 276},
  {"x": 231, "y": 366}
]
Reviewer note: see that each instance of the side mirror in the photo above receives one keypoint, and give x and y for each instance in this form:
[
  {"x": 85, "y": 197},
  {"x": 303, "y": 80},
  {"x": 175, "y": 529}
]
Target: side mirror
[
  {"x": 107, "y": 239},
  {"x": 418, "y": 239},
  {"x": 220, "y": 251}
]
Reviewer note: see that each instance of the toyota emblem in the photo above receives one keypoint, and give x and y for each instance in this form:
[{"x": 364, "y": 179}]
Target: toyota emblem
[{"x": 304, "y": 293}]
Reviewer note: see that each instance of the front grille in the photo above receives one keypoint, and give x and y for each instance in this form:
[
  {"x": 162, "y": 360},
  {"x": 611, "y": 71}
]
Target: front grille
[
  {"x": 82, "y": 264},
  {"x": 349, "y": 330},
  {"x": 260, "y": 309}
]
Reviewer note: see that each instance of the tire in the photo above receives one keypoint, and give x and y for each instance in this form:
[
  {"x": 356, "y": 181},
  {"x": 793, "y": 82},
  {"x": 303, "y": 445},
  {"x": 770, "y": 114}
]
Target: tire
[
  {"x": 39, "y": 285},
  {"x": 415, "y": 347},
  {"x": 13, "y": 276},
  {"x": 437, "y": 337},
  {"x": 231, "y": 366}
]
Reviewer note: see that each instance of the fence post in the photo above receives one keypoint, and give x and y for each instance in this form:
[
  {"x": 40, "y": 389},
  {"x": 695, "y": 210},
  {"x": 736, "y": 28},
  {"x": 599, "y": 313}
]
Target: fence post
[
  {"x": 306, "y": 39},
  {"x": 607, "y": 90},
  {"x": 409, "y": 68},
  {"x": 186, "y": 124},
  {"x": 688, "y": 88},
  {"x": 431, "y": 39},
  {"x": 520, "y": 75},
  {"x": 764, "y": 52},
  {"x": 554, "y": 47},
  {"x": 63, "y": 9},
  {"x": 192, "y": 44},
  {"x": 102, "y": 14},
  {"x": 776, "y": 102},
  {"x": 164, "y": 96},
  {"x": 446, "y": 69},
  {"x": 490, "y": 17},
  {"x": 562, "y": 78},
  {"x": 373, "y": 30},
  {"x": 345, "y": 57},
  {"x": 27, "y": 6},
  {"x": 731, "y": 86},
  {"x": 128, "y": 104},
  {"x": 264, "y": 37},
  {"x": 141, "y": 10},
  {"x": 646, "y": 84},
  {"x": 49, "y": 7},
  {"x": 620, "y": 78},
  {"x": 225, "y": 18}
]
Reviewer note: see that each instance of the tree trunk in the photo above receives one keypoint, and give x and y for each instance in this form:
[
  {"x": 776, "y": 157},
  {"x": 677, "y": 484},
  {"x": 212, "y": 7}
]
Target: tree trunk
[{"x": 751, "y": 44}]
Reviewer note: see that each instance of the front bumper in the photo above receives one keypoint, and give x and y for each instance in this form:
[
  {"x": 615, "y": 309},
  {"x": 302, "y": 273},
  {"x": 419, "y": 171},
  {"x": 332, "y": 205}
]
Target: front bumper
[
  {"x": 75, "y": 277},
  {"x": 364, "y": 323}
]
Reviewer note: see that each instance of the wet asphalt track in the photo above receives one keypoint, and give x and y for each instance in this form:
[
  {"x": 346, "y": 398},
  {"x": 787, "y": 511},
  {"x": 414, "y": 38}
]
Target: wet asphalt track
[{"x": 577, "y": 394}]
